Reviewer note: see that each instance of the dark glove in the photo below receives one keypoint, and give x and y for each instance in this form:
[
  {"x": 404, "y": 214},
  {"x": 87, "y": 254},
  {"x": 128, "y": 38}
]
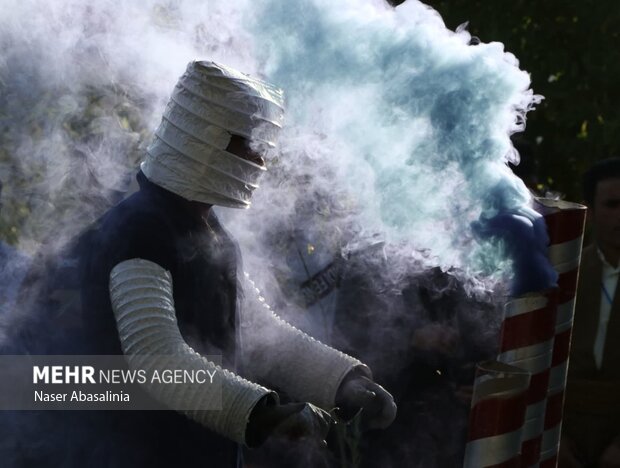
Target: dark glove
[
  {"x": 292, "y": 421},
  {"x": 524, "y": 237},
  {"x": 360, "y": 393}
]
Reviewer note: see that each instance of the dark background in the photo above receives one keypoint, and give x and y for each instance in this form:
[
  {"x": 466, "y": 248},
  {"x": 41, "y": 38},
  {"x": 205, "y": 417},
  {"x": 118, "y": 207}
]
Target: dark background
[{"x": 572, "y": 51}]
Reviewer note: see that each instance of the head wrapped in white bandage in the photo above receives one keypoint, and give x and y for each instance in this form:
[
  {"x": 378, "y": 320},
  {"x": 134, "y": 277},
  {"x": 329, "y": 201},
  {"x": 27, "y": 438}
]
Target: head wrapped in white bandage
[{"x": 209, "y": 104}]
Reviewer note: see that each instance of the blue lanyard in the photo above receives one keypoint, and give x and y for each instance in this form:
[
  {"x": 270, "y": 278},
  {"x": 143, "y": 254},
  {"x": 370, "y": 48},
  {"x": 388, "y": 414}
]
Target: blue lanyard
[{"x": 606, "y": 293}]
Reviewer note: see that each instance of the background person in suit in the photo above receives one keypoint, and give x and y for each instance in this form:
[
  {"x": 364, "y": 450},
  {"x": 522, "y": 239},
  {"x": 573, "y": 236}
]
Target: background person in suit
[{"x": 591, "y": 429}]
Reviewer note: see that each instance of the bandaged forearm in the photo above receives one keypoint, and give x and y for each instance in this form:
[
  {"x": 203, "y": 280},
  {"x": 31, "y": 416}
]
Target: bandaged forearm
[
  {"x": 141, "y": 294},
  {"x": 283, "y": 356}
]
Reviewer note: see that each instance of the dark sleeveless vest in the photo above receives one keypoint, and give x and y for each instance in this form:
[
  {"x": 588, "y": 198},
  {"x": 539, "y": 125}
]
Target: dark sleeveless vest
[{"x": 69, "y": 312}]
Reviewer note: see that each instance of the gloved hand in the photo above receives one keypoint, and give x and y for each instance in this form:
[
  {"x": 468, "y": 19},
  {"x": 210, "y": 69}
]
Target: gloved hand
[
  {"x": 524, "y": 236},
  {"x": 292, "y": 421},
  {"x": 360, "y": 393}
]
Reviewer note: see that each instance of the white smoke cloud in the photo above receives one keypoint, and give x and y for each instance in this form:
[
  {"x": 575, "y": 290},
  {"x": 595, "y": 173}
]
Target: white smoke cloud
[
  {"x": 395, "y": 126},
  {"x": 82, "y": 86},
  {"x": 412, "y": 122},
  {"x": 396, "y": 116}
]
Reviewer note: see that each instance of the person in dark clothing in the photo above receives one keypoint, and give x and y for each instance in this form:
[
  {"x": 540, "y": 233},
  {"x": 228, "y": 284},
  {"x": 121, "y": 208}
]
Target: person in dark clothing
[
  {"x": 590, "y": 430},
  {"x": 158, "y": 274},
  {"x": 437, "y": 329},
  {"x": 423, "y": 329}
]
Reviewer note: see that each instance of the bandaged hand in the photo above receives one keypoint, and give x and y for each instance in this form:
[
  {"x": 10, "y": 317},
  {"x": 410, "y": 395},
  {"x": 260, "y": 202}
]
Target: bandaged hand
[{"x": 360, "y": 393}]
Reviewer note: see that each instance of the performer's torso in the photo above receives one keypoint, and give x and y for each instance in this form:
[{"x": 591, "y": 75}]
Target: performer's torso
[{"x": 72, "y": 314}]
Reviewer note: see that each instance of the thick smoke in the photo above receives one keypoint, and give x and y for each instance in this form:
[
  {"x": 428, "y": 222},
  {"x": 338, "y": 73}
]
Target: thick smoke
[
  {"x": 397, "y": 131},
  {"x": 82, "y": 86},
  {"x": 404, "y": 124},
  {"x": 412, "y": 123}
]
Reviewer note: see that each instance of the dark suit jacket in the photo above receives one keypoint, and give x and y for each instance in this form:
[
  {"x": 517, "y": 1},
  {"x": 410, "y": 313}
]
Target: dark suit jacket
[{"x": 592, "y": 406}]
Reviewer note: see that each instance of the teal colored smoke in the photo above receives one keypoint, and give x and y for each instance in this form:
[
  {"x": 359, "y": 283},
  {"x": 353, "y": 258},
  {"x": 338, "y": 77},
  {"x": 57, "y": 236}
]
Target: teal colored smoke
[{"x": 416, "y": 121}]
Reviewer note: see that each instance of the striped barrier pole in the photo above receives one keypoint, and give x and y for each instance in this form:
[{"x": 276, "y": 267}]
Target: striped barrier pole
[
  {"x": 527, "y": 342},
  {"x": 496, "y": 416},
  {"x": 565, "y": 225}
]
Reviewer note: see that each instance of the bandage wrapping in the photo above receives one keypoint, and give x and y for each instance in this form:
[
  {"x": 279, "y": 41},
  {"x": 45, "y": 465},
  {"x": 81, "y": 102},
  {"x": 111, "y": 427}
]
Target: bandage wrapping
[
  {"x": 209, "y": 104},
  {"x": 279, "y": 354},
  {"x": 143, "y": 305}
]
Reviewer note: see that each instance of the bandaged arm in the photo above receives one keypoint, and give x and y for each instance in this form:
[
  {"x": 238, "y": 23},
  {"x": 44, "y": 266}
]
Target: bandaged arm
[
  {"x": 282, "y": 356},
  {"x": 143, "y": 305}
]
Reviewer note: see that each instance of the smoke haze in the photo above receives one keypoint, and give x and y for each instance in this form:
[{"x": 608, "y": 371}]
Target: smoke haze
[
  {"x": 397, "y": 131},
  {"x": 409, "y": 122}
]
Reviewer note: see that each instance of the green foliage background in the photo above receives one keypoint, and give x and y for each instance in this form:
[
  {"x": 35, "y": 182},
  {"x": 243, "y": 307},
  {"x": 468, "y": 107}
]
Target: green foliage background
[
  {"x": 572, "y": 51},
  {"x": 50, "y": 184}
]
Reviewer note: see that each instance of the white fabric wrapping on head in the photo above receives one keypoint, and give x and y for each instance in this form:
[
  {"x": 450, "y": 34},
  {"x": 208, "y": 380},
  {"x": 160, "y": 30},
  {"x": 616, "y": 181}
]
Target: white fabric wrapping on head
[{"x": 209, "y": 104}]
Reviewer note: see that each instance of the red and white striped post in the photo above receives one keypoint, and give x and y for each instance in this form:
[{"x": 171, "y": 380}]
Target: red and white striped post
[
  {"x": 496, "y": 417},
  {"x": 527, "y": 342},
  {"x": 565, "y": 225}
]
